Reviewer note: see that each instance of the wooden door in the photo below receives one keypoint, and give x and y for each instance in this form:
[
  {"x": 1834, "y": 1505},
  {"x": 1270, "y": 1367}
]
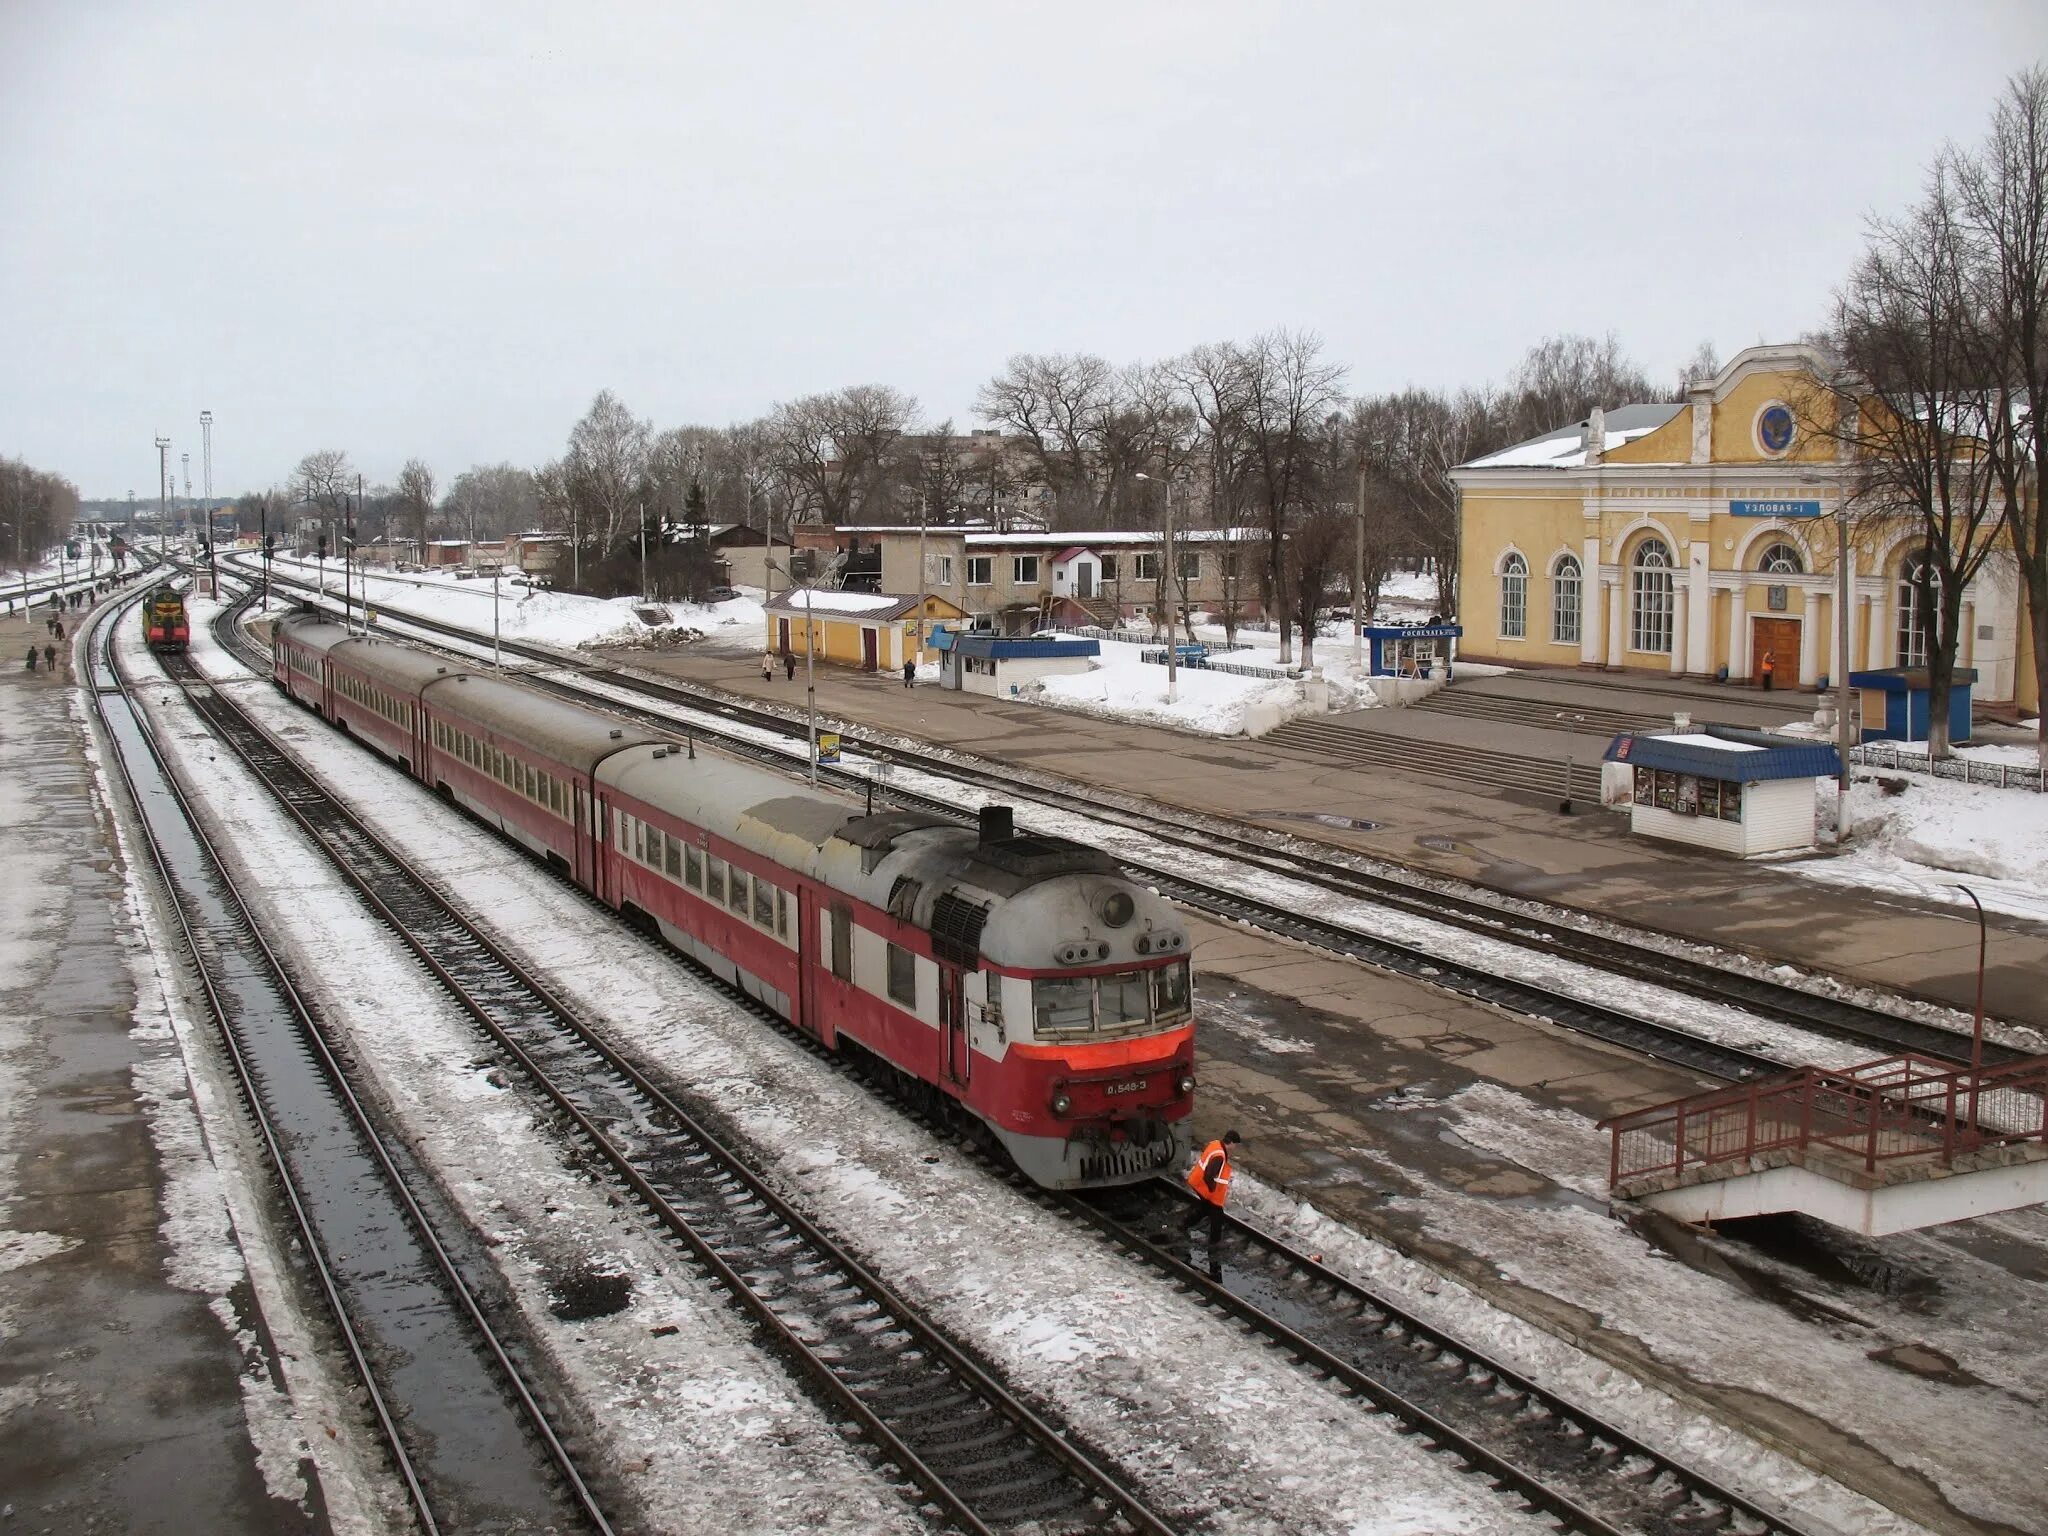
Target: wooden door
[
  {"x": 1779, "y": 637},
  {"x": 868, "y": 638},
  {"x": 782, "y": 637},
  {"x": 1084, "y": 580}
]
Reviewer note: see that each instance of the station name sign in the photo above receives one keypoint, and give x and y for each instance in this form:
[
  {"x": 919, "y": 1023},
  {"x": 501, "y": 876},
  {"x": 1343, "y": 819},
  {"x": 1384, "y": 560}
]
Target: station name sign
[
  {"x": 1774, "y": 509},
  {"x": 1415, "y": 631}
]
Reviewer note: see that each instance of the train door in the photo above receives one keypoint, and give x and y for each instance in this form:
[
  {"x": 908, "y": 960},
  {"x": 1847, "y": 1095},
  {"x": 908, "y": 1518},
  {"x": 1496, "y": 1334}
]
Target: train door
[
  {"x": 600, "y": 853},
  {"x": 806, "y": 1005},
  {"x": 959, "y": 1057}
]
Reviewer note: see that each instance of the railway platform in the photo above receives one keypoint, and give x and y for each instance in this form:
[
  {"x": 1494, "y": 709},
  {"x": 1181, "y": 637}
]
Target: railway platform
[
  {"x": 124, "y": 1389},
  {"x": 1405, "y": 810}
]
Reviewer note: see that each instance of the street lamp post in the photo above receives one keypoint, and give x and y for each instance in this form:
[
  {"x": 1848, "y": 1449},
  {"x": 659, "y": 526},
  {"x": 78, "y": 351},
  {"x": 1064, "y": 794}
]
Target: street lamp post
[
  {"x": 206, "y": 485},
  {"x": 497, "y": 658},
  {"x": 163, "y": 480},
  {"x": 1166, "y": 582},
  {"x": 810, "y": 664},
  {"x": 1977, "y": 1024}
]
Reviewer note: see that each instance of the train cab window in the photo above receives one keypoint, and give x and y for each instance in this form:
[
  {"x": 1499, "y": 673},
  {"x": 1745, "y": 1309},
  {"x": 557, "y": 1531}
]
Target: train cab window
[
  {"x": 672, "y": 857},
  {"x": 842, "y": 943},
  {"x": 1063, "y": 1003},
  {"x": 1124, "y": 997},
  {"x": 714, "y": 879},
  {"x": 764, "y": 903},
  {"x": 736, "y": 892},
  {"x": 902, "y": 976},
  {"x": 693, "y": 868},
  {"x": 1170, "y": 993}
]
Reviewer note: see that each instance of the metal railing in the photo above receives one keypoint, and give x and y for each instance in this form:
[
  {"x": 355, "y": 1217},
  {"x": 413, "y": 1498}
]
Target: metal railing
[
  {"x": 1900, "y": 1106},
  {"x": 1879, "y": 754}
]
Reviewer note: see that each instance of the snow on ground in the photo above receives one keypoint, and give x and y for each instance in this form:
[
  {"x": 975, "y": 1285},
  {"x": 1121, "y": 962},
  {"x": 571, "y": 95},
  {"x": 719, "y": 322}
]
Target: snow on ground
[
  {"x": 694, "y": 1419},
  {"x": 523, "y": 613},
  {"x": 1123, "y": 687},
  {"x": 1135, "y": 1365},
  {"x": 1936, "y": 834}
]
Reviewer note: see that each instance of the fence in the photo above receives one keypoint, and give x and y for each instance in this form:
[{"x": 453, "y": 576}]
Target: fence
[
  {"x": 1901, "y": 1106},
  {"x": 1878, "y": 754}
]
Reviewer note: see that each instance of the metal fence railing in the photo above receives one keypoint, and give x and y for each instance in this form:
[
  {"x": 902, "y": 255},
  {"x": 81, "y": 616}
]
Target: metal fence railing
[
  {"x": 1901, "y": 1106},
  {"x": 1878, "y": 754}
]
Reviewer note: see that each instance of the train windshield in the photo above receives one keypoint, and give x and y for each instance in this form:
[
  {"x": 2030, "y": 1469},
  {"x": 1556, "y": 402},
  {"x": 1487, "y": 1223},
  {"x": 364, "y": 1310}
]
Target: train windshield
[{"x": 1116, "y": 1004}]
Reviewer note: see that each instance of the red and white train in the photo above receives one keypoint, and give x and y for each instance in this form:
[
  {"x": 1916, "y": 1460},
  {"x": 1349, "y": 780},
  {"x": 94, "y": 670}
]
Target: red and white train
[{"x": 1023, "y": 980}]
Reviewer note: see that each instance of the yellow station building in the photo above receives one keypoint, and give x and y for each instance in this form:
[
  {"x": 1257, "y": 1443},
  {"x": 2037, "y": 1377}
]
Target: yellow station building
[{"x": 1697, "y": 538}]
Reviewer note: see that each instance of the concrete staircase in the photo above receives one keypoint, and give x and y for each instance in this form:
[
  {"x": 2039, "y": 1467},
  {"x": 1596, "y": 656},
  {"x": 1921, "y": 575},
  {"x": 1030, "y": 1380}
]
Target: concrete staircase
[{"x": 1328, "y": 737}]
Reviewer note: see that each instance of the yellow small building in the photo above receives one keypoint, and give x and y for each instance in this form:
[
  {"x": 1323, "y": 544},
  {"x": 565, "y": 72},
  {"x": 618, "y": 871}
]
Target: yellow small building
[
  {"x": 874, "y": 631},
  {"x": 1697, "y": 538}
]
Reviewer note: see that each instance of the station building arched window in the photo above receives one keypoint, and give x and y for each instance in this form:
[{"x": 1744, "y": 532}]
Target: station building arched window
[
  {"x": 1781, "y": 559},
  {"x": 1650, "y": 598},
  {"x": 1564, "y": 600},
  {"x": 1514, "y": 598},
  {"x": 1916, "y": 572}
]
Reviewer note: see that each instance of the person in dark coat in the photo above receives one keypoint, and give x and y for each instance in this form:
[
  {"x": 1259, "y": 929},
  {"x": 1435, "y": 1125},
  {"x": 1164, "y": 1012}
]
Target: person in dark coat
[
  {"x": 31, "y": 658},
  {"x": 789, "y": 665},
  {"x": 50, "y": 657},
  {"x": 910, "y": 671}
]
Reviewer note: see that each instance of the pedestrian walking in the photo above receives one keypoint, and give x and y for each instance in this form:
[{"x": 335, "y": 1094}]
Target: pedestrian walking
[
  {"x": 31, "y": 656},
  {"x": 57, "y": 629},
  {"x": 1210, "y": 1179},
  {"x": 767, "y": 668},
  {"x": 789, "y": 665},
  {"x": 50, "y": 657},
  {"x": 1768, "y": 667},
  {"x": 910, "y": 671}
]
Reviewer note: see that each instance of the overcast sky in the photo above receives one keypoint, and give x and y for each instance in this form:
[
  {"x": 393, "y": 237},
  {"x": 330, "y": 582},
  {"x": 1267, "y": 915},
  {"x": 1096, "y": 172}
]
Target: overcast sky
[{"x": 439, "y": 229}]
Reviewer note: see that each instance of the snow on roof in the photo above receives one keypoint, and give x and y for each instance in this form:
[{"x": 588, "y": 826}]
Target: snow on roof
[
  {"x": 818, "y": 600},
  {"x": 1565, "y": 448},
  {"x": 1125, "y": 538},
  {"x": 1718, "y": 743}
]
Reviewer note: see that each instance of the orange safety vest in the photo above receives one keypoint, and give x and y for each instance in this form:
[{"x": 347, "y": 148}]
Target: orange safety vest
[{"x": 1198, "y": 1176}]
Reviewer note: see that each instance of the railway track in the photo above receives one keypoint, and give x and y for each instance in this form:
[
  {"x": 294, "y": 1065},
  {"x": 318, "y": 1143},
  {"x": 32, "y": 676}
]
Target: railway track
[
  {"x": 1535, "y": 1445},
  {"x": 468, "y": 1434},
  {"x": 1771, "y": 1002},
  {"x": 957, "y": 1438},
  {"x": 1553, "y": 1452}
]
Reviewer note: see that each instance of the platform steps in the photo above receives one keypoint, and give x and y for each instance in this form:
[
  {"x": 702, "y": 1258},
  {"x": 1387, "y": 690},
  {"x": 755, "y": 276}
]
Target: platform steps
[
  {"x": 1507, "y": 709},
  {"x": 1330, "y": 738}
]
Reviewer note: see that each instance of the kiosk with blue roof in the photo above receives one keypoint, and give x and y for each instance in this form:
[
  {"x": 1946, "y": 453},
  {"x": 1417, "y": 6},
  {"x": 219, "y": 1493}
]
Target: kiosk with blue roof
[{"x": 1736, "y": 791}]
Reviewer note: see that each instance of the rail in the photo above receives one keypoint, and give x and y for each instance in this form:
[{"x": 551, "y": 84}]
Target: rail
[
  {"x": 1897, "y": 1107},
  {"x": 1968, "y": 770}
]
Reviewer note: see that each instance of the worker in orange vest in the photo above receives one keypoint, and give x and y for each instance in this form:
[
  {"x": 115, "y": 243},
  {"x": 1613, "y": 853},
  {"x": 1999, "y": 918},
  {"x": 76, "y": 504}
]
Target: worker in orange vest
[
  {"x": 1210, "y": 1179},
  {"x": 1769, "y": 666}
]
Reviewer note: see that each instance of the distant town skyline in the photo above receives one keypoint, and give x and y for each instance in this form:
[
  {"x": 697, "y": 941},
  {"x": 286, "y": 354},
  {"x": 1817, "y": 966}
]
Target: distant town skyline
[{"x": 439, "y": 232}]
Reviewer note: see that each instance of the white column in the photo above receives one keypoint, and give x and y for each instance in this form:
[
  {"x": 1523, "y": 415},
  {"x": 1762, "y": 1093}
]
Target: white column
[
  {"x": 1591, "y": 614},
  {"x": 1738, "y": 632},
  {"x": 1681, "y": 614},
  {"x": 1699, "y": 637},
  {"x": 1966, "y": 640},
  {"x": 1809, "y": 642},
  {"x": 1616, "y": 617},
  {"x": 1876, "y": 633}
]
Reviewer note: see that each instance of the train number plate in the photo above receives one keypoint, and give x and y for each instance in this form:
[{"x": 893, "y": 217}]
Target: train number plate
[{"x": 1135, "y": 1085}]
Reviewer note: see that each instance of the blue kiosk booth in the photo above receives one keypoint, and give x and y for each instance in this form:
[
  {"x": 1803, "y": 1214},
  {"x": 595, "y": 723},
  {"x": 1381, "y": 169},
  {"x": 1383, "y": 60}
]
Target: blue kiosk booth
[{"x": 1895, "y": 701}]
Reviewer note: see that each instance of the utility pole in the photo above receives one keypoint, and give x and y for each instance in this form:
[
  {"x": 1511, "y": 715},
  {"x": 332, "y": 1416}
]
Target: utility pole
[
  {"x": 185, "y": 459},
  {"x": 1170, "y": 574},
  {"x": 348, "y": 549},
  {"x": 924, "y": 515},
  {"x": 1844, "y": 738},
  {"x": 206, "y": 481},
  {"x": 163, "y": 477},
  {"x": 1361, "y": 603},
  {"x": 645, "y": 597}
]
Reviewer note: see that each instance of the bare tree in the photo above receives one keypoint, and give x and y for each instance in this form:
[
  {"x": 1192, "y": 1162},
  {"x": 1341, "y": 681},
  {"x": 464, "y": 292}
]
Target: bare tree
[
  {"x": 416, "y": 495},
  {"x": 489, "y": 501},
  {"x": 605, "y": 468},
  {"x": 1409, "y": 443},
  {"x": 1288, "y": 389},
  {"x": 836, "y": 453},
  {"x": 1704, "y": 363},
  {"x": 1057, "y": 404},
  {"x": 1561, "y": 378},
  {"x": 1318, "y": 551},
  {"x": 1912, "y": 408},
  {"x": 2002, "y": 199},
  {"x": 37, "y": 510}
]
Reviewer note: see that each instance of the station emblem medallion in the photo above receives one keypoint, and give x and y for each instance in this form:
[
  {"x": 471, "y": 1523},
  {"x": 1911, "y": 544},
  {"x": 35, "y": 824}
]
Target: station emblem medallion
[{"x": 1774, "y": 427}]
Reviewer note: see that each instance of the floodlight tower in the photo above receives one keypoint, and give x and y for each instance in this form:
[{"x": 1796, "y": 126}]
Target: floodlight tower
[
  {"x": 163, "y": 481},
  {"x": 206, "y": 482}
]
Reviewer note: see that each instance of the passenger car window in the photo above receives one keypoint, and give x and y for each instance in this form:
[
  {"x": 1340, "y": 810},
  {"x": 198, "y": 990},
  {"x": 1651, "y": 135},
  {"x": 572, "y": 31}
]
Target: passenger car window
[
  {"x": 714, "y": 879},
  {"x": 902, "y": 976},
  {"x": 693, "y": 868},
  {"x": 764, "y": 903}
]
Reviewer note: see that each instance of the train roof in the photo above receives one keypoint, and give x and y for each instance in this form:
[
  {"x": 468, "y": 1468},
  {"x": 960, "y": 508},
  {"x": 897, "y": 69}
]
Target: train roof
[
  {"x": 404, "y": 665},
  {"x": 571, "y": 734},
  {"x": 312, "y": 631}
]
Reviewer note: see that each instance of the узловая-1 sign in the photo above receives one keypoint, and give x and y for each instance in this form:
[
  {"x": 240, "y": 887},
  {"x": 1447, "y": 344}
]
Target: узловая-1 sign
[{"x": 1774, "y": 509}]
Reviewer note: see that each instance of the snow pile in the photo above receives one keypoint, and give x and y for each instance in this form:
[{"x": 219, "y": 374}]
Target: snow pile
[
  {"x": 1935, "y": 833},
  {"x": 1122, "y": 687}
]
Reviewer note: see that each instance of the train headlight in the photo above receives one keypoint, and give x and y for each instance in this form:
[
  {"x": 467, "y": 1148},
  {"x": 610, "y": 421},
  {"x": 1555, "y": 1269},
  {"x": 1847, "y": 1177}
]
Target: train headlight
[
  {"x": 1061, "y": 1103},
  {"x": 1186, "y": 1084}
]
